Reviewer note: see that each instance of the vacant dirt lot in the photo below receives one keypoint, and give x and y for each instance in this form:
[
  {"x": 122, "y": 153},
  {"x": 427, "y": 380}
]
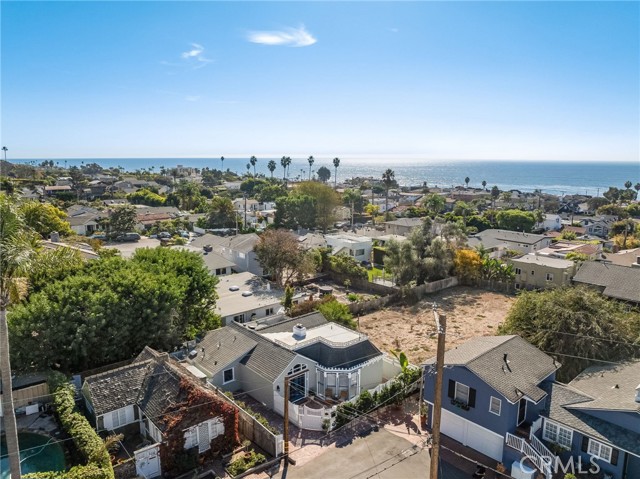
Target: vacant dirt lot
[{"x": 470, "y": 312}]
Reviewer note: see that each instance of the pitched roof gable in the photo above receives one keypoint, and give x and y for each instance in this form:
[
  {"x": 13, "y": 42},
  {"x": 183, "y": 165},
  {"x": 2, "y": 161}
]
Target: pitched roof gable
[{"x": 520, "y": 375}]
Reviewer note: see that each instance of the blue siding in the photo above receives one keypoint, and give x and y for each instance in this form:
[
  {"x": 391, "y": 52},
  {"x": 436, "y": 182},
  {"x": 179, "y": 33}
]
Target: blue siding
[
  {"x": 627, "y": 420},
  {"x": 479, "y": 414},
  {"x": 633, "y": 467}
]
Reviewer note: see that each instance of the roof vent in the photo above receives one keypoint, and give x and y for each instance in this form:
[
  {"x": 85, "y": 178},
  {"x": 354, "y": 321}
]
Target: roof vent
[
  {"x": 615, "y": 387},
  {"x": 234, "y": 288},
  {"x": 505, "y": 358},
  {"x": 299, "y": 331},
  {"x": 247, "y": 293}
]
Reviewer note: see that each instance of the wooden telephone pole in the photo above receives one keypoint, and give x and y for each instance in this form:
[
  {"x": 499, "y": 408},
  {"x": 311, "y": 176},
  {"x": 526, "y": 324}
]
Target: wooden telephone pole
[
  {"x": 441, "y": 324},
  {"x": 287, "y": 386}
]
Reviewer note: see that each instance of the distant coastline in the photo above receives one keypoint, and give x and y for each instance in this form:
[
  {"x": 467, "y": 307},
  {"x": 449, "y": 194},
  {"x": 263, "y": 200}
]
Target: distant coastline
[{"x": 554, "y": 177}]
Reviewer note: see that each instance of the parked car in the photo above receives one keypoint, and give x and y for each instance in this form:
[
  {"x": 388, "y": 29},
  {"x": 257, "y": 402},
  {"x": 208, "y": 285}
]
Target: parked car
[
  {"x": 128, "y": 237},
  {"x": 99, "y": 236},
  {"x": 183, "y": 233},
  {"x": 164, "y": 235}
]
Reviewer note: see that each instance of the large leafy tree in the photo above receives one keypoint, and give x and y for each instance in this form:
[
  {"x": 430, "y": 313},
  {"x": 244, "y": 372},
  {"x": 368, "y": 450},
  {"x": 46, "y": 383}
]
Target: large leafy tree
[
  {"x": 516, "y": 220},
  {"x": 44, "y": 218},
  {"x": 16, "y": 254},
  {"x": 434, "y": 203},
  {"x": 112, "y": 308},
  {"x": 297, "y": 210},
  {"x": 281, "y": 256},
  {"x": 122, "y": 220},
  {"x": 576, "y": 323},
  {"x": 326, "y": 201},
  {"x": 324, "y": 174},
  {"x": 221, "y": 213}
]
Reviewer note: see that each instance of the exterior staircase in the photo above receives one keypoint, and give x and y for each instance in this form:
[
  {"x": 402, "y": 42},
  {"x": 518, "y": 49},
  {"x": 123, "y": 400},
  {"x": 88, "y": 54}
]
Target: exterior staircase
[{"x": 533, "y": 449}]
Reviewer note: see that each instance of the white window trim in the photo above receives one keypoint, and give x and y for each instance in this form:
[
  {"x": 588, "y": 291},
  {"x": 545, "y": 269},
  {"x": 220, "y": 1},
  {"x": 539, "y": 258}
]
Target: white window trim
[
  {"x": 233, "y": 373},
  {"x": 600, "y": 446},
  {"x": 546, "y": 437},
  {"x": 549, "y": 276},
  {"x": 499, "y": 405},
  {"x": 455, "y": 396}
]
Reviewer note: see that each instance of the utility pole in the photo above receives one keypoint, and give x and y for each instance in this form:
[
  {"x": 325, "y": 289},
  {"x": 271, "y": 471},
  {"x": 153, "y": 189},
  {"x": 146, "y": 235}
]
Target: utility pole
[
  {"x": 245, "y": 211},
  {"x": 287, "y": 386},
  {"x": 441, "y": 324}
]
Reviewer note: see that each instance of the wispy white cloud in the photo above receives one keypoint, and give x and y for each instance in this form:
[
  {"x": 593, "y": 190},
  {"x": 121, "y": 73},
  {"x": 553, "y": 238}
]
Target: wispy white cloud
[
  {"x": 193, "y": 59},
  {"x": 290, "y": 37}
]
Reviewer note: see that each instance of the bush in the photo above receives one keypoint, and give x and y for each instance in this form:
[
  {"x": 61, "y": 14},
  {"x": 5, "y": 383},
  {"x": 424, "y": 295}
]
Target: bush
[
  {"x": 337, "y": 313},
  {"x": 86, "y": 440},
  {"x": 246, "y": 462},
  {"x": 347, "y": 265},
  {"x": 353, "y": 297}
]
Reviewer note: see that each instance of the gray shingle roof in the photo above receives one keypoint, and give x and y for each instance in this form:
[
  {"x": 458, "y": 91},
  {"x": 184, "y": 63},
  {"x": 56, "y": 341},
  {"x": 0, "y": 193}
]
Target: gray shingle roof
[
  {"x": 619, "y": 282},
  {"x": 611, "y": 386},
  {"x": 563, "y": 406},
  {"x": 526, "y": 368},
  {"x": 344, "y": 358},
  {"x": 117, "y": 388},
  {"x": 267, "y": 359},
  {"x": 161, "y": 388},
  {"x": 222, "y": 347}
]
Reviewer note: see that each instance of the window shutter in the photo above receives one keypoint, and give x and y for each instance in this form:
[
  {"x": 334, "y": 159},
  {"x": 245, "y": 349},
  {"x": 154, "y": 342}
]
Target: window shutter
[
  {"x": 472, "y": 397},
  {"x": 452, "y": 388},
  {"x": 614, "y": 456},
  {"x": 585, "y": 444}
]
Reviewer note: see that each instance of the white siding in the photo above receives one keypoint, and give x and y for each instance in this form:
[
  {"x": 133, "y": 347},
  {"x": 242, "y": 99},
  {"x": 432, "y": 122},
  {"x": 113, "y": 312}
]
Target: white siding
[{"x": 119, "y": 417}]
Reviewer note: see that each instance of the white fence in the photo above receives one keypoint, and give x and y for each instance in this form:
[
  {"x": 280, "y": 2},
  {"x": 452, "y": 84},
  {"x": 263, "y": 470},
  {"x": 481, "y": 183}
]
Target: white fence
[{"x": 303, "y": 416}]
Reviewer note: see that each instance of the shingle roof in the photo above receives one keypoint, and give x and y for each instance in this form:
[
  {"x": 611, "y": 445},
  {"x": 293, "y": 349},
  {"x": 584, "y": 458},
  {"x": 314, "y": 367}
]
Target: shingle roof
[
  {"x": 525, "y": 369},
  {"x": 161, "y": 388},
  {"x": 611, "y": 386},
  {"x": 563, "y": 406},
  {"x": 498, "y": 236},
  {"x": 344, "y": 358},
  {"x": 117, "y": 388},
  {"x": 222, "y": 347},
  {"x": 619, "y": 282},
  {"x": 267, "y": 359}
]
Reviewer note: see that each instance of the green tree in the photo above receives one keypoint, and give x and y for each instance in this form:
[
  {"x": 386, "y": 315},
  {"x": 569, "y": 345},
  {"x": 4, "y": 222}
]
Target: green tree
[
  {"x": 495, "y": 192},
  {"x": 324, "y": 174},
  {"x": 434, "y": 203},
  {"x": 613, "y": 210},
  {"x": 189, "y": 194},
  {"x": 50, "y": 265},
  {"x": 612, "y": 194},
  {"x": 516, "y": 220},
  {"x": 400, "y": 260},
  {"x": 347, "y": 265},
  {"x": 574, "y": 323},
  {"x": 271, "y": 192},
  {"x": 350, "y": 197},
  {"x": 336, "y": 164},
  {"x": 338, "y": 313},
  {"x": 16, "y": 254},
  {"x": 271, "y": 166},
  {"x": 326, "y": 200},
  {"x": 281, "y": 256},
  {"x": 146, "y": 197},
  {"x": 388, "y": 179},
  {"x": 44, "y": 218},
  {"x": 221, "y": 213},
  {"x": 596, "y": 202},
  {"x": 122, "y": 220},
  {"x": 466, "y": 181},
  {"x": 311, "y": 161},
  {"x": 253, "y": 162},
  {"x": 484, "y": 185},
  {"x": 296, "y": 210}
]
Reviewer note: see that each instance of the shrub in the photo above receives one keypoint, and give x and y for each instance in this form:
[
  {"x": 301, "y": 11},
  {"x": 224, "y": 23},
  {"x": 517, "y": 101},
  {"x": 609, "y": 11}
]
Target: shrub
[
  {"x": 353, "y": 297},
  {"x": 246, "y": 462},
  {"x": 338, "y": 313}
]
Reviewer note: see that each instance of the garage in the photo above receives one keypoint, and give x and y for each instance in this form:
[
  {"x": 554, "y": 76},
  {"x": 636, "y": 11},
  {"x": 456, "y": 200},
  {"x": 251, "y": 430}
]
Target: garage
[{"x": 471, "y": 435}]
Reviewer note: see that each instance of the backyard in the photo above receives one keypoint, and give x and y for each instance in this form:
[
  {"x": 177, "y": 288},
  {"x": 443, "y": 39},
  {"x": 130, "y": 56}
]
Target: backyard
[{"x": 470, "y": 312}]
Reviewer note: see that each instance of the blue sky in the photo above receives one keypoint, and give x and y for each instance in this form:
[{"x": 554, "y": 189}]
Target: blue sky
[{"x": 434, "y": 80}]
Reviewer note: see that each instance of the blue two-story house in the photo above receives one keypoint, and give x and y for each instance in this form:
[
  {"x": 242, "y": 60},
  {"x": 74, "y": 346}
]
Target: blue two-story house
[
  {"x": 596, "y": 419},
  {"x": 492, "y": 390}
]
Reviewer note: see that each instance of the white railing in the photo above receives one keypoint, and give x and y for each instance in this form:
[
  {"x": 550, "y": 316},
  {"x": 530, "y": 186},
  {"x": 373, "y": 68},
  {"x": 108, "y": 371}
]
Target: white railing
[
  {"x": 542, "y": 462},
  {"x": 540, "y": 448},
  {"x": 535, "y": 427}
]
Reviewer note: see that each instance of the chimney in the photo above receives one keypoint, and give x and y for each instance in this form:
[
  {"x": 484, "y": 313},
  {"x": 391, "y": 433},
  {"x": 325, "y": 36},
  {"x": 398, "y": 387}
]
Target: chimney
[{"x": 299, "y": 332}]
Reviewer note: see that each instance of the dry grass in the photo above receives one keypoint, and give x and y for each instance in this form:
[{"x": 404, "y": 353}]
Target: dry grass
[{"x": 470, "y": 312}]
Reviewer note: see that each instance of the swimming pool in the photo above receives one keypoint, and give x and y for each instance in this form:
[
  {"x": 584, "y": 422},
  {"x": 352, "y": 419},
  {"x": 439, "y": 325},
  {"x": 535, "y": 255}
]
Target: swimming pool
[{"x": 38, "y": 453}]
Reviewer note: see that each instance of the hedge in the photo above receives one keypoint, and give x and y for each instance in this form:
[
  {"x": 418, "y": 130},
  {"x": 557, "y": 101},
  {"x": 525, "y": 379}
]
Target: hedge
[{"x": 85, "y": 438}]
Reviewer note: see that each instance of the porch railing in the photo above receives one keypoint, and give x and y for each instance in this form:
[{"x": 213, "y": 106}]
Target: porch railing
[{"x": 539, "y": 461}]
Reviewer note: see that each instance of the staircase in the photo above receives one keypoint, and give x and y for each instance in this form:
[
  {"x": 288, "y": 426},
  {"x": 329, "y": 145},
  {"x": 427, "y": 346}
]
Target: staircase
[{"x": 534, "y": 450}]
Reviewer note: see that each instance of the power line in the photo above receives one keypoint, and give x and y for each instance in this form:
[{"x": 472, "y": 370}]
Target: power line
[{"x": 590, "y": 337}]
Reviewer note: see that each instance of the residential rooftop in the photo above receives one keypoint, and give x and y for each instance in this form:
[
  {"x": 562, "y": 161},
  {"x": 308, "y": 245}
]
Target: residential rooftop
[
  {"x": 548, "y": 261},
  {"x": 619, "y": 282},
  {"x": 241, "y": 292}
]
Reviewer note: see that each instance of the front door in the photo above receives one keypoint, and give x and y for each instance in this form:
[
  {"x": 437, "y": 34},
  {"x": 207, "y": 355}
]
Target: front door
[
  {"x": 522, "y": 411},
  {"x": 148, "y": 461}
]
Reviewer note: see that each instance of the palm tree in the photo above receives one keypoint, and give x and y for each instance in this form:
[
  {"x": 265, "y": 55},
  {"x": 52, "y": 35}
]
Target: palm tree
[
  {"x": 311, "y": 160},
  {"x": 484, "y": 184},
  {"x": 637, "y": 187},
  {"x": 495, "y": 192},
  {"x": 628, "y": 185},
  {"x": 283, "y": 163},
  {"x": 16, "y": 253},
  {"x": 5, "y": 149},
  {"x": 349, "y": 197},
  {"x": 467, "y": 180},
  {"x": 271, "y": 166},
  {"x": 336, "y": 163},
  {"x": 248, "y": 168},
  {"x": 253, "y": 162},
  {"x": 388, "y": 178},
  {"x": 222, "y": 163}
]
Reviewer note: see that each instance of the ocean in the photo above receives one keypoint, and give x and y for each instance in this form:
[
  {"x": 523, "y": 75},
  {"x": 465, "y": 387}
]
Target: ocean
[{"x": 555, "y": 177}]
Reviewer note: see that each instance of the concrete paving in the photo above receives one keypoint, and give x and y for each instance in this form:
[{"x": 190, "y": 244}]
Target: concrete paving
[{"x": 380, "y": 455}]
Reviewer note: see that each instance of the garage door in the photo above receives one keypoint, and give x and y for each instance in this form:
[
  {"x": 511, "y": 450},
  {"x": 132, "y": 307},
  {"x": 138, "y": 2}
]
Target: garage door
[{"x": 471, "y": 435}]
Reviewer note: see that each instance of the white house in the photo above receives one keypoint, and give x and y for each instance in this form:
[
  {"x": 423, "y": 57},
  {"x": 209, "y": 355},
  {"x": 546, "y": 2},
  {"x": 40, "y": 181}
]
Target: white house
[
  {"x": 353, "y": 245},
  {"x": 550, "y": 222},
  {"x": 244, "y": 297}
]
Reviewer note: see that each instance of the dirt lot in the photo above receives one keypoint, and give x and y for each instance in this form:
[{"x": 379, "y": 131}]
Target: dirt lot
[{"x": 470, "y": 312}]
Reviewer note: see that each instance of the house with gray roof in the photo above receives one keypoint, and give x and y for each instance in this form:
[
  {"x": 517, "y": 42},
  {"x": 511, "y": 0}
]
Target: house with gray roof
[
  {"x": 596, "y": 419},
  {"x": 238, "y": 249},
  {"x": 496, "y": 242},
  {"x": 612, "y": 280},
  {"x": 402, "y": 226},
  {"x": 493, "y": 391},
  {"x": 141, "y": 399},
  {"x": 337, "y": 363}
]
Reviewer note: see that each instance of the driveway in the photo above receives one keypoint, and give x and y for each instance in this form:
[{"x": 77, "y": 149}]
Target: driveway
[
  {"x": 127, "y": 249},
  {"x": 379, "y": 455}
]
